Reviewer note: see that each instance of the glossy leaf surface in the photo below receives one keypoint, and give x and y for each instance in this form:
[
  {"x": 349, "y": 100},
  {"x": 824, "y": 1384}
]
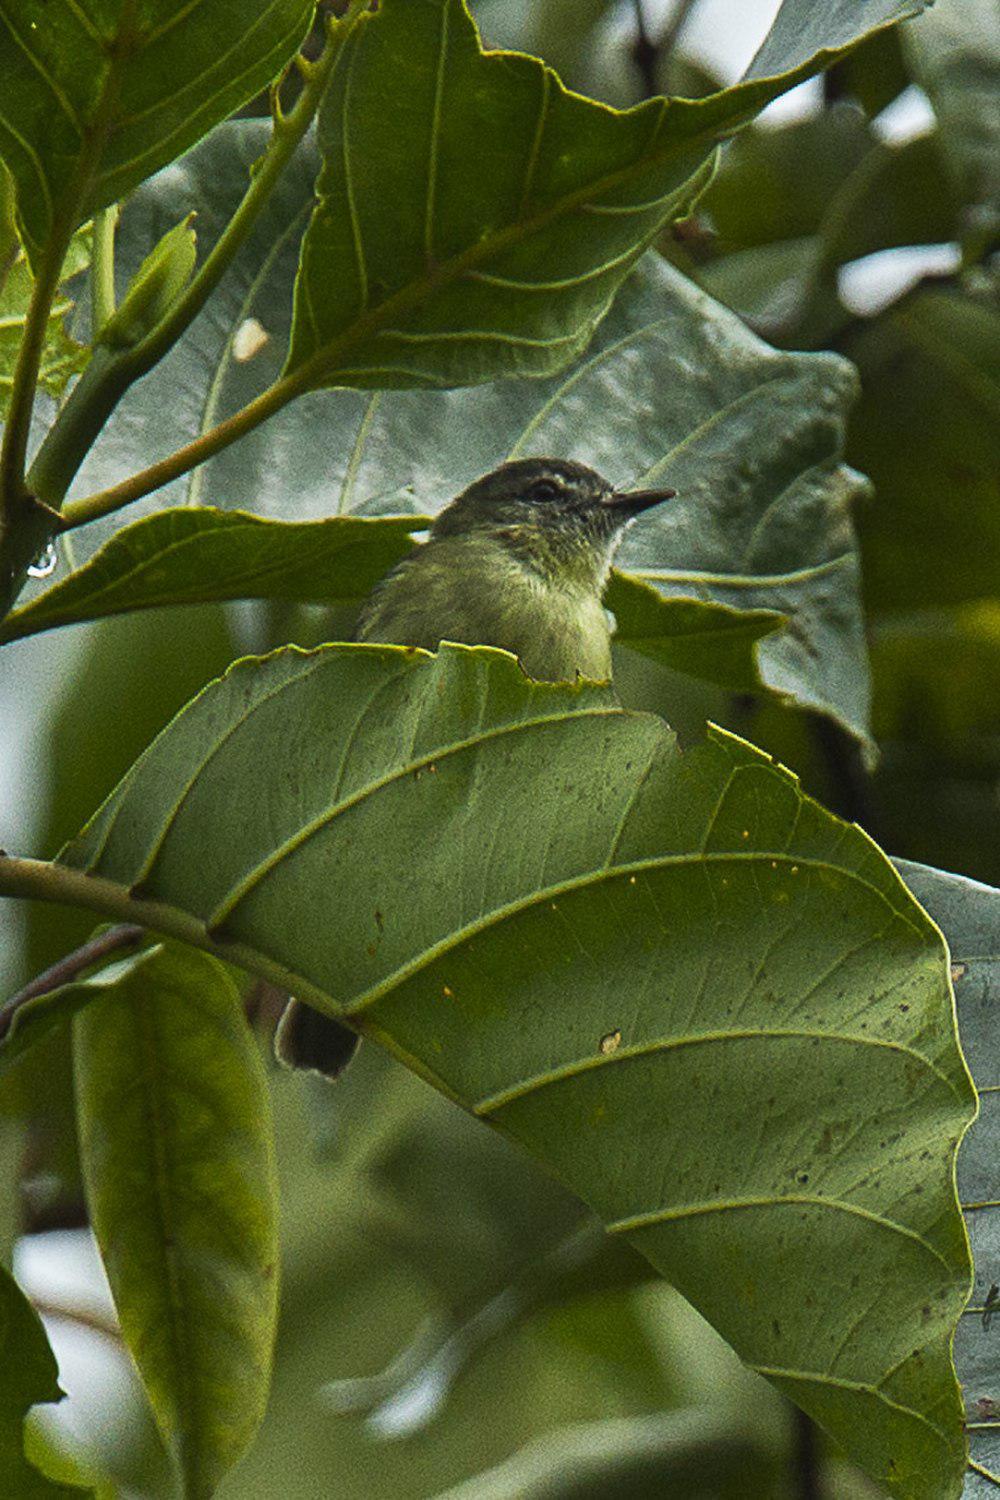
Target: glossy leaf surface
[
  {"x": 672, "y": 384},
  {"x": 455, "y": 266},
  {"x": 29, "y": 1376},
  {"x": 175, "y": 1144},
  {"x": 729, "y": 951},
  {"x": 95, "y": 96}
]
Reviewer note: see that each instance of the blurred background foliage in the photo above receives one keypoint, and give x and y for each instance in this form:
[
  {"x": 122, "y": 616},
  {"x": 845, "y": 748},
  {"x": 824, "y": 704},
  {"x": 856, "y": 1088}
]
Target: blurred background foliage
[{"x": 446, "y": 1310}]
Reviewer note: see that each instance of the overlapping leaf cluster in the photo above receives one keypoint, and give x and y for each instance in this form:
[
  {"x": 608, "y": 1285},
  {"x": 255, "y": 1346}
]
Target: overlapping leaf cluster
[{"x": 710, "y": 1007}]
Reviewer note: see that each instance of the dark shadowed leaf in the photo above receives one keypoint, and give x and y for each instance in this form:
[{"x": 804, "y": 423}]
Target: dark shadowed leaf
[
  {"x": 175, "y": 1143},
  {"x": 29, "y": 1376},
  {"x": 737, "y": 960},
  {"x": 928, "y": 433},
  {"x": 94, "y": 97},
  {"x": 792, "y": 206}
]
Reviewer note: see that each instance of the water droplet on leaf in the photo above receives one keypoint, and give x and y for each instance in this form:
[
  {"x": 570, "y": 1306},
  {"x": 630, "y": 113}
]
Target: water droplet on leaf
[{"x": 45, "y": 563}]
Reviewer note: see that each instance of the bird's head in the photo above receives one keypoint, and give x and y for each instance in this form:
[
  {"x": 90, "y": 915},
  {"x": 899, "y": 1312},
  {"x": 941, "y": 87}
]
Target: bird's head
[{"x": 558, "y": 515}]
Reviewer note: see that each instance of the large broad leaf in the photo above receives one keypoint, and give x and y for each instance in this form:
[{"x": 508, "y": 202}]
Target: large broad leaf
[
  {"x": 176, "y": 1149},
  {"x": 454, "y": 266},
  {"x": 29, "y": 1376},
  {"x": 94, "y": 97},
  {"x": 969, "y": 914},
  {"x": 192, "y": 556},
  {"x": 710, "y": 1007},
  {"x": 671, "y": 382}
]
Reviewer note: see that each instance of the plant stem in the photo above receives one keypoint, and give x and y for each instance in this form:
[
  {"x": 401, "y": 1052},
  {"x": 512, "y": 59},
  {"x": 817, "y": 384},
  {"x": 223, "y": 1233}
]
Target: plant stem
[
  {"x": 125, "y": 935},
  {"x": 105, "y": 502},
  {"x": 89, "y": 406},
  {"x": 22, "y": 401},
  {"x": 82, "y": 1317},
  {"x": 107, "y": 377},
  {"x": 645, "y": 52},
  {"x": 42, "y": 880},
  {"x": 805, "y": 1457},
  {"x": 667, "y": 40},
  {"x": 102, "y": 269}
]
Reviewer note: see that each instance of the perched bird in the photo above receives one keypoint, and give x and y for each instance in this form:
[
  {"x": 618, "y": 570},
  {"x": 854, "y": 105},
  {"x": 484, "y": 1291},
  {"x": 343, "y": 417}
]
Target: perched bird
[{"x": 519, "y": 560}]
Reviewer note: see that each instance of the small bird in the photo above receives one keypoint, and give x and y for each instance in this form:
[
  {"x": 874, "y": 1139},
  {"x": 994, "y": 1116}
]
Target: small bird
[{"x": 518, "y": 560}]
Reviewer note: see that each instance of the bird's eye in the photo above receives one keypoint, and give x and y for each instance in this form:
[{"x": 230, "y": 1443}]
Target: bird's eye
[{"x": 545, "y": 489}]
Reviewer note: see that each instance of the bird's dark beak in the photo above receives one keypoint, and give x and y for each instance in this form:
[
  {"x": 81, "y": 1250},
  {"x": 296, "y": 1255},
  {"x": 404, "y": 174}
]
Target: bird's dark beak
[{"x": 634, "y": 502}]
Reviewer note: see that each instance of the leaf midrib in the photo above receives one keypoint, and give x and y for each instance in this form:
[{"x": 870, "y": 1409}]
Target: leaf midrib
[{"x": 591, "y": 878}]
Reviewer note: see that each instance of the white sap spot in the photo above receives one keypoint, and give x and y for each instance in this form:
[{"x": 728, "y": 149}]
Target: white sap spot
[{"x": 248, "y": 340}]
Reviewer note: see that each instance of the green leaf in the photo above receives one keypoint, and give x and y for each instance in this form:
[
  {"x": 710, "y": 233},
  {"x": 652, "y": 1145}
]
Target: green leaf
[
  {"x": 62, "y": 356},
  {"x": 955, "y": 54},
  {"x": 154, "y": 289},
  {"x": 453, "y": 267},
  {"x": 36, "y": 1018},
  {"x": 792, "y": 206},
  {"x": 176, "y": 1146},
  {"x": 969, "y": 915},
  {"x": 665, "y": 964},
  {"x": 752, "y": 444},
  {"x": 928, "y": 433},
  {"x": 94, "y": 97},
  {"x": 939, "y": 683},
  {"x": 712, "y": 641},
  {"x": 191, "y": 556},
  {"x": 29, "y": 1376}
]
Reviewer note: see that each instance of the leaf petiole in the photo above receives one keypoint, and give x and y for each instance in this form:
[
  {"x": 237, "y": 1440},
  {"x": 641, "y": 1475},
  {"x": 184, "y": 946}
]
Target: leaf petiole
[{"x": 102, "y": 269}]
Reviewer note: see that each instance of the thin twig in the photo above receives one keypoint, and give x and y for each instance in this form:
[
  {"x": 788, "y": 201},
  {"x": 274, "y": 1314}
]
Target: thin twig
[
  {"x": 667, "y": 39},
  {"x": 850, "y": 786},
  {"x": 14, "y": 448},
  {"x": 83, "y": 1317},
  {"x": 805, "y": 1457},
  {"x": 125, "y": 935},
  {"x": 645, "y": 52}
]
